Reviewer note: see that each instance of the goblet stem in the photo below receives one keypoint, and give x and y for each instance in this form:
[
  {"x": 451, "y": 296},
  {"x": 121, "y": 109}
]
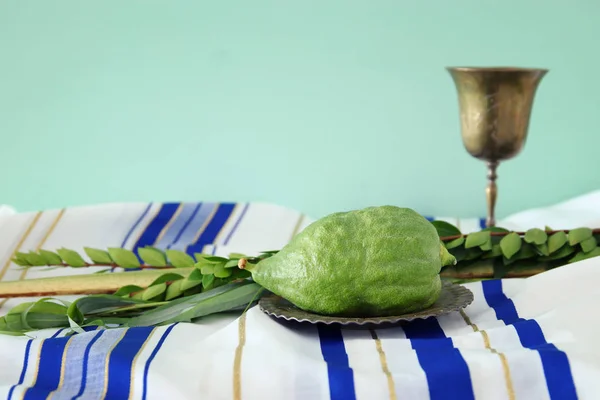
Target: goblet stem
[{"x": 491, "y": 193}]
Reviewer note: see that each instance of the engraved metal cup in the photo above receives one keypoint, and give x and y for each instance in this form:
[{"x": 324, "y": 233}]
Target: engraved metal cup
[{"x": 495, "y": 107}]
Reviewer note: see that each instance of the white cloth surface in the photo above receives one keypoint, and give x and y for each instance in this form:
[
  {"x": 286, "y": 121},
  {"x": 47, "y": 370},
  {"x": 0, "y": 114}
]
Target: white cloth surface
[{"x": 530, "y": 338}]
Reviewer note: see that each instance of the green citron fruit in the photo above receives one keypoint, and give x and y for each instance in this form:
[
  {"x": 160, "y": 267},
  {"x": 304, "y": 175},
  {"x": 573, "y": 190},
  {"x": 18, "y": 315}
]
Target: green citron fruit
[{"x": 377, "y": 261}]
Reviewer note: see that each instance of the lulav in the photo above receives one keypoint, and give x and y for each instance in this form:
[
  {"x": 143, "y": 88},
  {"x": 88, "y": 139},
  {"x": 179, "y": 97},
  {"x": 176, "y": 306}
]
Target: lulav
[{"x": 175, "y": 286}]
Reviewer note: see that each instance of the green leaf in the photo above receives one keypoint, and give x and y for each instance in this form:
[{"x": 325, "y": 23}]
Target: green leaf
[
  {"x": 20, "y": 259},
  {"x": 487, "y": 246},
  {"x": 477, "y": 239},
  {"x": 188, "y": 284},
  {"x": 563, "y": 252},
  {"x": 233, "y": 264},
  {"x": 174, "y": 290},
  {"x": 578, "y": 235},
  {"x": 207, "y": 281},
  {"x": 588, "y": 244},
  {"x": 194, "y": 279},
  {"x": 128, "y": 289},
  {"x": 51, "y": 257},
  {"x": 215, "y": 259},
  {"x": 556, "y": 241},
  {"x": 35, "y": 259},
  {"x": 207, "y": 269},
  {"x": 185, "y": 309},
  {"x": 153, "y": 291},
  {"x": 41, "y": 314},
  {"x": 152, "y": 256},
  {"x": 536, "y": 236},
  {"x": 445, "y": 229},
  {"x": 104, "y": 303},
  {"x": 180, "y": 259},
  {"x": 526, "y": 251},
  {"x": 584, "y": 256},
  {"x": 98, "y": 256},
  {"x": 510, "y": 244},
  {"x": 221, "y": 272},
  {"x": 542, "y": 249},
  {"x": 167, "y": 277},
  {"x": 71, "y": 257},
  {"x": 123, "y": 257}
]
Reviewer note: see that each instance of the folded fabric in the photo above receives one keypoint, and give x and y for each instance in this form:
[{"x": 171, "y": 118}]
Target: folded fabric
[
  {"x": 6, "y": 210},
  {"x": 529, "y": 338}
]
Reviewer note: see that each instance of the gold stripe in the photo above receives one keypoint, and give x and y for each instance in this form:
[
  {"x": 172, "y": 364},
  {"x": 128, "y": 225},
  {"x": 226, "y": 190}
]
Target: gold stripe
[
  {"x": 237, "y": 363},
  {"x": 458, "y": 223},
  {"x": 63, "y": 366},
  {"x": 297, "y": 227},
  {"x": 486, "y": 341},
  {"x": 229, "y": 219},
  {"x": 168, "y": 225},
  {"x": 25, "y": 235},
  {"x": 39, "y": 246},
  {"x": 132, "y": 377},
  {"x": 384, "y": 365},
  {"x": 204, "y": 225},
  {"x": 107, "y": 360}
]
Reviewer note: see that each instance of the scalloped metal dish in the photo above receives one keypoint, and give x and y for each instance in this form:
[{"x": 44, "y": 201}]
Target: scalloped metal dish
[{"x": 454, "y": 297}]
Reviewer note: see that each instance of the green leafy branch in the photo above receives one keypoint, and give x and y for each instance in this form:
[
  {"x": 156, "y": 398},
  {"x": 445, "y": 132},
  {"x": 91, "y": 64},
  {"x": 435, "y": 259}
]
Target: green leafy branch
[
  {"x": 116, "y": 257},
  {"x": 192, "y": 287},
  {"x": 499, "y": 253}
]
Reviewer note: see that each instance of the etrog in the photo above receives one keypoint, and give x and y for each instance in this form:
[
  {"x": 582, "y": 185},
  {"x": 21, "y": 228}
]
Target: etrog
[{"x": 377, "y": 261}]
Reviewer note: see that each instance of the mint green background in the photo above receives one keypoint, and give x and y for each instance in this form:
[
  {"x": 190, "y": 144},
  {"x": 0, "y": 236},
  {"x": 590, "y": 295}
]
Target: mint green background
[{"x": 316, "y": 105}]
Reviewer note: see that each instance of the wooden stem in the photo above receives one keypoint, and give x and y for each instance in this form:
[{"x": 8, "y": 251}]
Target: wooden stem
[{"x": 82, "y": 284}]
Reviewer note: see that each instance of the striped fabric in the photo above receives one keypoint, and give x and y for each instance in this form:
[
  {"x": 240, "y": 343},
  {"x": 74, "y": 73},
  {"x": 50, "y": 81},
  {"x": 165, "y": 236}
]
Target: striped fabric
[{"x": 519, "y": 339}]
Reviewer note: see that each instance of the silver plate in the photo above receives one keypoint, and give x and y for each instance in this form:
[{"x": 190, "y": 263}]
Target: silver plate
[{"x": 453, "y": 297}]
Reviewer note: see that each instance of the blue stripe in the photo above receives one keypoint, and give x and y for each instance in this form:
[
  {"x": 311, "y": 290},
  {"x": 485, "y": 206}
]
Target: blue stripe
[
  {"x": 341, "y": 376},
  {"x": 86, "y": 357},
  {"x": 428, "y": 218},
  {"x": 121, "y": 362},
  {"x": 136, "y": 224},
  {"x": 49, "y": 368},
  {"x": 554, "y": 361},
  {"x": 162, "y": 218},
  {"x": 237, "y": 223},
  {"x": 185, "y": 225},
  {"x": 482, "y": 223},
  {"x": 175, "y": 224},
  {"x": 213, "y": 228},
  {"x": 151, "y": 358},
  {"x": 446, "y": 370},
  {"x": 26, "y": 363}
]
